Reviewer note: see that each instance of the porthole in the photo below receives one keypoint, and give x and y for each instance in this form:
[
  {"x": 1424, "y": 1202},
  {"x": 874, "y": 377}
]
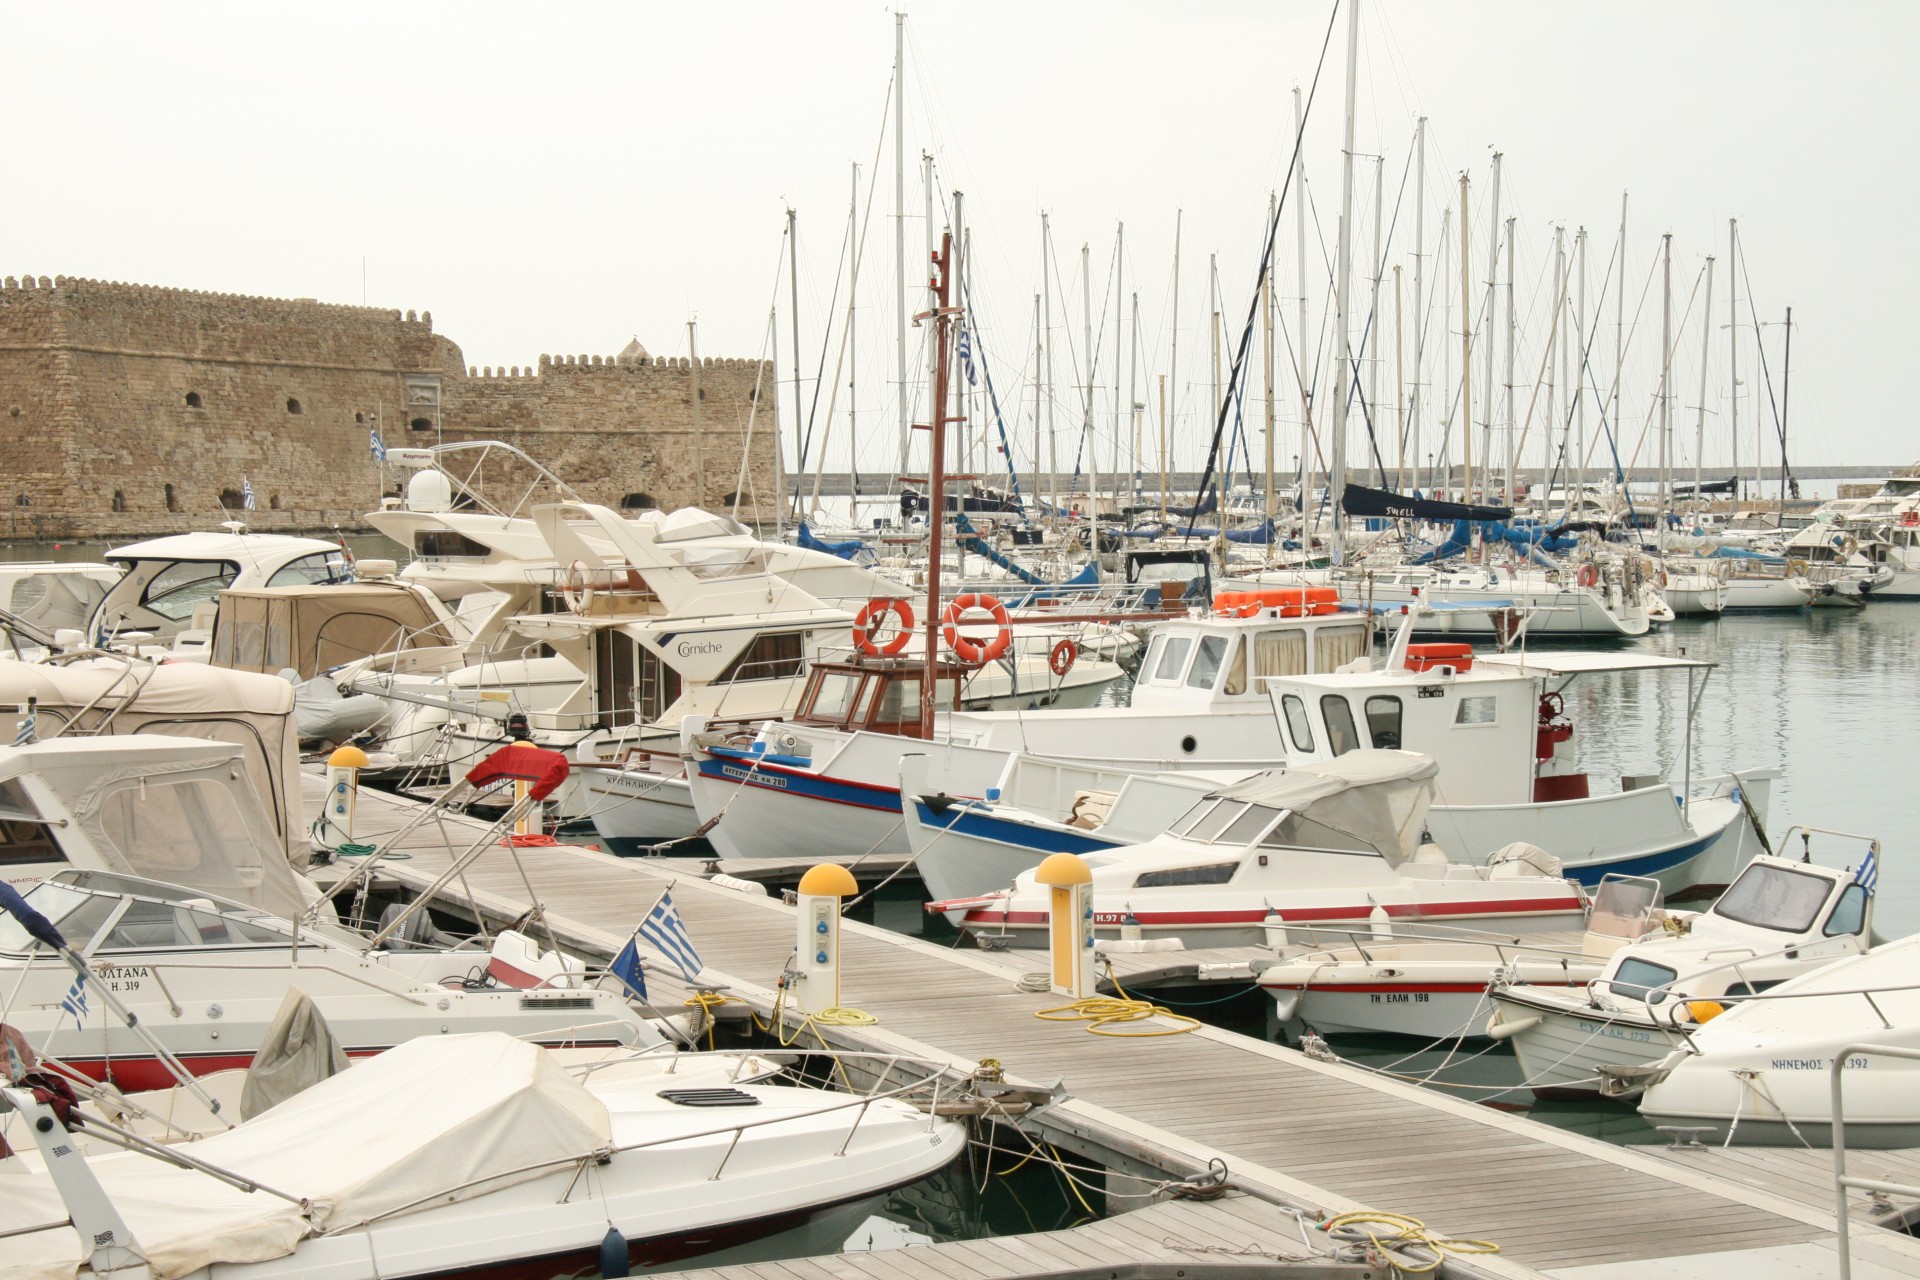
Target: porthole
[{"x": 1188, "y": 745}]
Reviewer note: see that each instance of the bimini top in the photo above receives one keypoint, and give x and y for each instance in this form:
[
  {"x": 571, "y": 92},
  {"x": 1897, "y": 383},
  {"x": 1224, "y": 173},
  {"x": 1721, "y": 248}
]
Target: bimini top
[
  {"x": 1578, "y": 662},
  {"x": 245, "y": 548},
  {"x": 1380, "y": 797}
]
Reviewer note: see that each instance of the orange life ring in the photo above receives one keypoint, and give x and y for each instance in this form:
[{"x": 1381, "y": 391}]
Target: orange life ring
[
  {"x": 966, "y": 648},
  {"x": 1060, "y": 661},
  {"x": 867, "y": 622},
  {"x": 1588, "y": 576}
]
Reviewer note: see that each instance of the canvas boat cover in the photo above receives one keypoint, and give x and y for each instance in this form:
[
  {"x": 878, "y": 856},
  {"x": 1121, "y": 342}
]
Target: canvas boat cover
[
  {"x": 312, "y": 629},
  {"x": 1380, "y": 796},
  {"x": 438, "y": 1117},
  {"x": 181, "y": 699},
  {"x": 298, "y": 1052}
]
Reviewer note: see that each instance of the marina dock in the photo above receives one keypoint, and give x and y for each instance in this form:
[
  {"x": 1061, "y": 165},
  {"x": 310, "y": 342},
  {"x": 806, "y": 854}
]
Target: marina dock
[{"x": 1294, "y": 1134}]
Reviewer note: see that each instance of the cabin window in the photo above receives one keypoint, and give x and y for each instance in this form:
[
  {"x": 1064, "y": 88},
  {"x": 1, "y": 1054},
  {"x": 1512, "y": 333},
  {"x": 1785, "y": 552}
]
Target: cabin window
[
  {"x": 631, "y": 684},
  {"x": 832, "y": 696},
  {"x": 1477, "y": 710},
  {"x": 1206, "y": 662},
  {"x": 149, "y": 926},
  {"x": 1236, "y": 669},
  {"x": 436, "y": 544},
  {"x": 78, "y": 916},
  {"x": 1210, "y": 824},
  {"x": 1173, "y": 659},
  {"x": 1211, "y": 873},
  {"x": 1279, "y": 653},
  {"x": 771, "y": 656},
  {"x": 1334, "y": 647},
  {"x": 1383, "y": 722},
  {"x": 180, "y": 586},
  {"x": 1298, "y": 831},
  {"x": 1774, "y": 898},
  {"x": 899, "y": 702},
  {"x": 1342, "y": 737},
  {"x": 1639, "y": 979},
  {"x": 1249, "y": 826},
  {"x": 22, "y": 841},
  {"x": 320, "y": 567},
  {"x": 1850, "y": 915},
  {"x": 1152, "y": 658},
  {"x": 1297, "y": 724}
]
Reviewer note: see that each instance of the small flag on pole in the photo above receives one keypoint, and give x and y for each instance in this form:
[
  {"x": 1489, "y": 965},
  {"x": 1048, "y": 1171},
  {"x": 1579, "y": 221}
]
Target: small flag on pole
[
  {"x": 28, "y": 733},
  {"x": 626, "y": 967},
  {"x": 664, "y": 928},
  {"x": 76, "y": 1001},
  {"x": 966, "y": 352},
  {"x": 246, "y": 493},
  {"x": 376, "y": 444},
  {"x": 1868, "y": 874}
]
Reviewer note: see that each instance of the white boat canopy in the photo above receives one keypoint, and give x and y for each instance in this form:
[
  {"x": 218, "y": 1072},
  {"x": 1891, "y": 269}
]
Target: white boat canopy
[
  {"x": 1580, "y": 663},
  {"x": 1380, "y": 797}
]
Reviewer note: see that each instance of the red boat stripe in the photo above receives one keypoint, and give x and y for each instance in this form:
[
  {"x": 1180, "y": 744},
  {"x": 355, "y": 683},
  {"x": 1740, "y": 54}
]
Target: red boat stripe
[{"x": 1355, "y": 915}]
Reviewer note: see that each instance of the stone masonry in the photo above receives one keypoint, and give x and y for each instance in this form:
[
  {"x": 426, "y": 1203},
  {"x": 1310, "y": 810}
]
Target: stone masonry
[{"x": 130, "y": 409}]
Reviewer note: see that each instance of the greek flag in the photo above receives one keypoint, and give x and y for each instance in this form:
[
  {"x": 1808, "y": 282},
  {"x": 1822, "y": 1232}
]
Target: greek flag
[
  {"x": 246, "y": 493},
  {"x": 28, "y": 732},
  {"x": 966, "y": 352},
  {"x": 1868, "y": 874},
  {"x": 76, "y": 1001},
  {"x": 664, "y": 928},
  {"x": 376, "y": 444}
]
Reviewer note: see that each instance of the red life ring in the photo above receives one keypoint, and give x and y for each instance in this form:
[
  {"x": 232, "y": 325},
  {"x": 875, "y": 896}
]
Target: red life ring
[
  {"x": 966, "y": 648},
  {"x": 1588, "y": 576},
  {"x": 1060, "y": 661},
  {"x": 867, "y": 622}
]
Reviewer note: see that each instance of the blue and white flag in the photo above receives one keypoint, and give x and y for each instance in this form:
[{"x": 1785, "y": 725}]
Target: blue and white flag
[
  {"x": 1868, "y": 874},
  {"x": 246, "y": 493},
  {"x": 376, "y": 444},
  {"x": 28, "y": 732},
  {"x": 626, "y": 967},
  {"x": 76, "y": 1001},
  {"x": 966, "y": 352},
  {"x": 664, "y": 928}
]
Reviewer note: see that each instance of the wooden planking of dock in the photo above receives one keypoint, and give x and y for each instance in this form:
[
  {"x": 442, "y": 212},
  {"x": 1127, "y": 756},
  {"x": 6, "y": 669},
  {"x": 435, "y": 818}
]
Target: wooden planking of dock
[{"x": 1300, "y": 1132}]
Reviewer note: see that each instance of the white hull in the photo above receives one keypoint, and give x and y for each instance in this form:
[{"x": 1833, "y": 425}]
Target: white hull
[
  {"x": 1766, "y": 593},
  {"x": 637, "y": 805},
  {"x": 1562, "y": 1052}
]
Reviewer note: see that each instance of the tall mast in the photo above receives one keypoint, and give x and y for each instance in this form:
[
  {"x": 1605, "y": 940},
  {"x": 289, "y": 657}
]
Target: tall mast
[
  {"x": 926, "y": 187},
  {"x": 1399, "y": 383},
  {"x": 1213, "y": 348},
  {"x": 1733, "y": 353},
  {"x": 853, "y": 347},
  {"x": 1419, "y": 275},
  {"x": 1446, "y": 360},
  {"x": 1038, "y": 356},
  {"x": 1666, "y": 373},
  {"x": 1700, "y": 423},
  {"x": 1133, "y": 390},
  {"x": 1557, "y": 377},
  {"x": 1300, "y": 359},
  {"x": 1173, "y": 367},
  {"x": 1512, "y": 331},
  {"x": 941, "y": 313},
  {"x": 1579, "y": 389},
  {"x": 957, "y": 264},
  {"x": 1619, "y": 344},
  {"x": 899, "y": 233},
  {"x": 1337, "y": 468},
  {"x": 1375, "y": 345},
  {"x": 1493, "y": 280},
  {"x": 1466, "y": 348},
  {"x": 1786, "y": 384},
  {"x": 1266, "y": 330},
  {"x": 1086, "y": 412},
  {"x": 1163, "y": 448},
  {"x": 793, "y": 288},
  {"x": 1046, "y": 322},
  {"x": 1119, "y": 320}
]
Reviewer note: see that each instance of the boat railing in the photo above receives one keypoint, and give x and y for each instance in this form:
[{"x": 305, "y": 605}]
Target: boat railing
[
  {"x": 1507, "y": 948},
  {"x": 1842, "y": 1181}
]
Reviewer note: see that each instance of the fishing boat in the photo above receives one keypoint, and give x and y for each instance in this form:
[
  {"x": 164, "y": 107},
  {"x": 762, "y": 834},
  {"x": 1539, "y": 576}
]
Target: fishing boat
[
  {"x": 1334, "y": 844},
  {"x": 1433, "y": 983},
  {"x": 509, "y": 1165},
  {"x": 1780, "y": 919}
]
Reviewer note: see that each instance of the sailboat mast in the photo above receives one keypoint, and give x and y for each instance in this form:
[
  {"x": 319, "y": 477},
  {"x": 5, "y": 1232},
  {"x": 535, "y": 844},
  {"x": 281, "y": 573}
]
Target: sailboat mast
[
  {"x": 1493, "y": 282},
  {"x": 1375, "y": 345},
  {"x": 1557, "y": 374},
  {"x": 1419, "y": 276},
  {"x": 941, "y": 314},
  {"x": 1038, "y": 356},
  {"x": 1337, "y": 468},
  {"x": 1513, "y": 331},
  {"x": 1119, "y": 321},
  {"x": 793, "y": 292},
  {"x": 1300, "y": 358},
  {"x": 1619, "y": 346},
  {"x": 1733, "y": 352},
  {"x": 1700, "y": 423},
  {"x": 1046, "y": 330},
  {"x": 853, "y": 349},
  {"x": 1786, "y": 385},
  {"x": 1086, "y": 412},
  {"x": 1399, "y": 383},
  {"x": 1466, "y": 348},
  {"x": 1580, "y": 374},
  {"x": 1173, "y": 366},
  {"x": 1666, "y": 373},
  {"x": 899, "y": 234},
  {"x": 1266, "y": 330}
]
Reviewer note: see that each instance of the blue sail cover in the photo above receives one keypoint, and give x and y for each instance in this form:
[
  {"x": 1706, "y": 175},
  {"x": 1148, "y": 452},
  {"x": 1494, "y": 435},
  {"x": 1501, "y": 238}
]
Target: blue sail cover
[{"x": 804, "y": 538}]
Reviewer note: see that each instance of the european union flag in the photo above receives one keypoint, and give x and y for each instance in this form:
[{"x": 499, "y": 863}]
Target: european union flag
[{"x": 626, "y": 967}]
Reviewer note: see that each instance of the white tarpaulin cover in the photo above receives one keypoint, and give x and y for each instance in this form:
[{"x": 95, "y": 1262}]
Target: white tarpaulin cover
[
  {"x": 184, "y": 699},
  {"x": 1380, "y": 796},
  {"x": 416, "y": 1123}
]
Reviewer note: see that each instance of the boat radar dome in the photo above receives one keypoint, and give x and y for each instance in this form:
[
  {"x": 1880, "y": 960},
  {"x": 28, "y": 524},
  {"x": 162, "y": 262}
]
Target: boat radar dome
[
  {"x": 1062, "y": 869},
  {"x": 829, "y": 880},
  {"x": 430, "y": 491}
]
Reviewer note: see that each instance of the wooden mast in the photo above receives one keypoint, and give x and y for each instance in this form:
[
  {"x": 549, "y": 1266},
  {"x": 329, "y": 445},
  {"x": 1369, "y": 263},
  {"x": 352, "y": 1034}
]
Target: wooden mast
[{"x": 941, "y": 315}]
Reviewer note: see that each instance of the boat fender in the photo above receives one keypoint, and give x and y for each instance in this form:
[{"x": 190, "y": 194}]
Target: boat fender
[
  {"x": 613, "y": 1255},
  {"x": 1500, "y": 1029},
  {"x": 1704, "y": 1011},
  {"x": 1060, "y": 661}
]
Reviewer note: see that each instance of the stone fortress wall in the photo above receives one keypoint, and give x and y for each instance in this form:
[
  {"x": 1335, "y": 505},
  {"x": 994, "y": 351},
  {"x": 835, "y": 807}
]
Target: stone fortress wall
[{"x": 131, "y": 409}]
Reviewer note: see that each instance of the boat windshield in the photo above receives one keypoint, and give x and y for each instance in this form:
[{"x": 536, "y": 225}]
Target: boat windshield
[
  {"x": 76, "y": 913},
  {"x": 1771, "y": 897},
  {"x": 1637, "y": 979}
]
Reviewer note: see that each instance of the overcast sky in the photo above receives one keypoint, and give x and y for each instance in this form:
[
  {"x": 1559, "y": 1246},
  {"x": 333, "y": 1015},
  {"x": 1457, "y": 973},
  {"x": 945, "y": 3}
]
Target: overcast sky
[{"x": 565, "y": 178}]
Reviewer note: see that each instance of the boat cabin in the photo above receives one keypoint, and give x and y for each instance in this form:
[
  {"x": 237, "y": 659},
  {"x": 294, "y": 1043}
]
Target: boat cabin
[
  {"x": 1174, "y": 575},
  {"x": 877, "y": 694},
  {"x": 170, "y": 583},
  {"x": 1229, "y": 658}
]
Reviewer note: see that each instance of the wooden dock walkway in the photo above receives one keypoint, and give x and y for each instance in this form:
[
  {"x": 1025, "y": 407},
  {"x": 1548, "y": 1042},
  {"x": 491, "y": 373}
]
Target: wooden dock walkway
[{"x": 1323, "y": 1137}]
